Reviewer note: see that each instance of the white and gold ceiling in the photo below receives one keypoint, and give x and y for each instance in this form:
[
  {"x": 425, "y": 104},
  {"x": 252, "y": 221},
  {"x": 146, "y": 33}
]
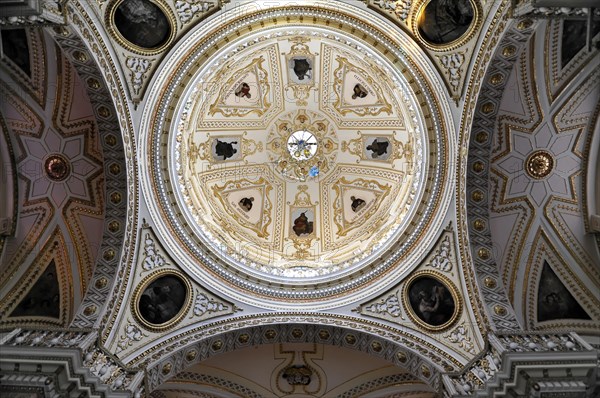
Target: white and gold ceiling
[{"x": 247, "y": 195}]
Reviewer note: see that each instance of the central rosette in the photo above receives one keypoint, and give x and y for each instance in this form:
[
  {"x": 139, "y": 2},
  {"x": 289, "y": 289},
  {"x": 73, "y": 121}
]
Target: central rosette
[{"x": 302, "y": 145}]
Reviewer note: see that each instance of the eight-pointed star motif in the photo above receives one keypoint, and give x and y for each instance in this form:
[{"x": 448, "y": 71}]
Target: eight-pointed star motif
[
  {"x": 69, "y": 149},
  {"x": 564, "y": 166}
]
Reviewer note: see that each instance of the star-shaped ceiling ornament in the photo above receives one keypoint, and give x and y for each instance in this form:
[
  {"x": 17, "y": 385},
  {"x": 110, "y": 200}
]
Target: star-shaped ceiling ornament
[
  {"x": 540, "y": 165},
  {"x": 57, "y": 167}
]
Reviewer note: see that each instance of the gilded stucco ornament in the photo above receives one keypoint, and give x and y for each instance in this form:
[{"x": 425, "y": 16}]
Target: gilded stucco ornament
[{"x": 539, "y": 164}]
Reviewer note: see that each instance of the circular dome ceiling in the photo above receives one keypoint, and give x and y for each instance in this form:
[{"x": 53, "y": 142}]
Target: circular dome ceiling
[{"x": 296, "y": 160}]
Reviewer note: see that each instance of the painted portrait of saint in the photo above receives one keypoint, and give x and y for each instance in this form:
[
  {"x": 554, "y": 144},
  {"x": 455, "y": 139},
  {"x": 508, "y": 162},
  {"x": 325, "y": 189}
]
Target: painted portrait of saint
[
  {"x": 444, "y": 21},
  {"x": 359, "y": 91},
  {"x": 431, "y": 301},
  {"x": 162, "y": 299},
  {"x": 246, "y": 203},
  {"x": 243, "y": 90},
  {"x": 224, "y": 149},
  {"x": 300, "y": 69},
  {"x": 303, "y": 225},
  {"x": 554, "y": 299},
  {"x": 378, "y": 148},
  {"x": 142, "y": 23},
  {"x": 357, "y": 203}
]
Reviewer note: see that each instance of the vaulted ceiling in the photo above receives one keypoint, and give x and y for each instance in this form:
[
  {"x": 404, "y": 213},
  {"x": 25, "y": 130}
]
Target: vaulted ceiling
[{"x": 335, "y": 199}]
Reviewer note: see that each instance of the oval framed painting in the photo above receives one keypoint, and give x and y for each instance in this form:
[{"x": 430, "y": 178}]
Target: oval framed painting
[
  {"x": 161, "y": 300},
  {"x": 432, "y": 301},
  {"x": 445, "y": 25},
  {"x": 145, "y": 27}
]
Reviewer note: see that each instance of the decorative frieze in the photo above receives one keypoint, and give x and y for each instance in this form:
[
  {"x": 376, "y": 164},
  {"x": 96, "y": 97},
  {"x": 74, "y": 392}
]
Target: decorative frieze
[
  {"x": 32, "y": 13},
  {"x": 77, "y": 347}
]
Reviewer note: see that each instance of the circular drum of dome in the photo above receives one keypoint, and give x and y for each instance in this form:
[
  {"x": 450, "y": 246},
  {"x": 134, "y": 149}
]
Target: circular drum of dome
[
  {"x": 142, "y": 26},
  {"x": 317, "y": 165}
]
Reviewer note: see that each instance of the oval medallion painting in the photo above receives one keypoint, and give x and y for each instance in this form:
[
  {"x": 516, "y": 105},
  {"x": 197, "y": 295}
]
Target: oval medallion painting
[
  {"x": 142, "y": 23},
  {"x": 160, "y": 302},
  {"x": 433, "y": 304},
  {"x": 442, "y": 22}
]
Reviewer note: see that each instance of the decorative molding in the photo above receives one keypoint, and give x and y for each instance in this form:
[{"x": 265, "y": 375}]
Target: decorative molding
[
  {"x": 453, "y": 64},
  {"x": 117, "y": 137},
  {"x": 530, "y": 8},
  {"x": 138, "y": 68},
  {"x": 474, "y": 180},
  {"x": 381, "y": 383},
  {"x": 78, "y": 349},
  {"x": 207, "y": 380},
  {"x": 33, "y": 13},
  {"x": 190, "y": 9},
  {"x": 496, "y": 366},
  {"x": 391, "y": 344}
]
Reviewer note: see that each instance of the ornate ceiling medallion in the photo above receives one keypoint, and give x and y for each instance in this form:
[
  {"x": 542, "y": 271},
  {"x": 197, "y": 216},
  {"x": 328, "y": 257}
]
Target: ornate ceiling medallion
[
  {"x": 161, "y": 300},
  {"x": 432, "y": 301},
  {"x": 57, "y": 167},
  {"x": 446, "y": 25},
  {"x": 310, "y": 144},
  {"x": 143, "y": 27},
  {"x": 539, "y": 164},
  {"x": 276, "y": 181}
]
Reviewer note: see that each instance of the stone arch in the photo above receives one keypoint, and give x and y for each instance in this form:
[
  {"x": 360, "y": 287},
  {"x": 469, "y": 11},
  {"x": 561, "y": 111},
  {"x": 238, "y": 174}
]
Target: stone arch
[
  {"x": 592, "y": 177},
  {"x": 108, "y": 99},
  {"x": 476, "y": 135},
  {"x": 176, "y": 354}
]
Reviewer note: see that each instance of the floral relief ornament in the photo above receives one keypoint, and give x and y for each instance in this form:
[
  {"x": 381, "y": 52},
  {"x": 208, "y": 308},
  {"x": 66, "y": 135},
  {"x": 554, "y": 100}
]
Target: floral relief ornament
[
  {"x": 138, "y": 68},
  {"x": 188, "y": 9},
  {"x": 442, "y": 258},
  {"x": 460, "y": 336},
  {"x": 391, "y": 306},
  {"x": 453, "y": 64},
  {"x": 204, "y": 305},
  {"x": 400, "y": 8},
  {"x": 152, "y": 259},
  {"x": 132, "y": 334}
]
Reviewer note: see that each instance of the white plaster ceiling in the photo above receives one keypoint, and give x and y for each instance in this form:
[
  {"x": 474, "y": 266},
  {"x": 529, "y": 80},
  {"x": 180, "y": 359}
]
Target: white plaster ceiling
[{"x": 277, "y": 370}]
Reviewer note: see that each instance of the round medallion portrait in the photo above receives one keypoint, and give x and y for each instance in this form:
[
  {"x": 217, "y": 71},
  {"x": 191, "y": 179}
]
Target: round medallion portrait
[
  {"x": 432, "y": 304},
  {"x": 441, "y": 21},
  {"x": 142, "y": 23},
  {"x": 160, "y": 302}
]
